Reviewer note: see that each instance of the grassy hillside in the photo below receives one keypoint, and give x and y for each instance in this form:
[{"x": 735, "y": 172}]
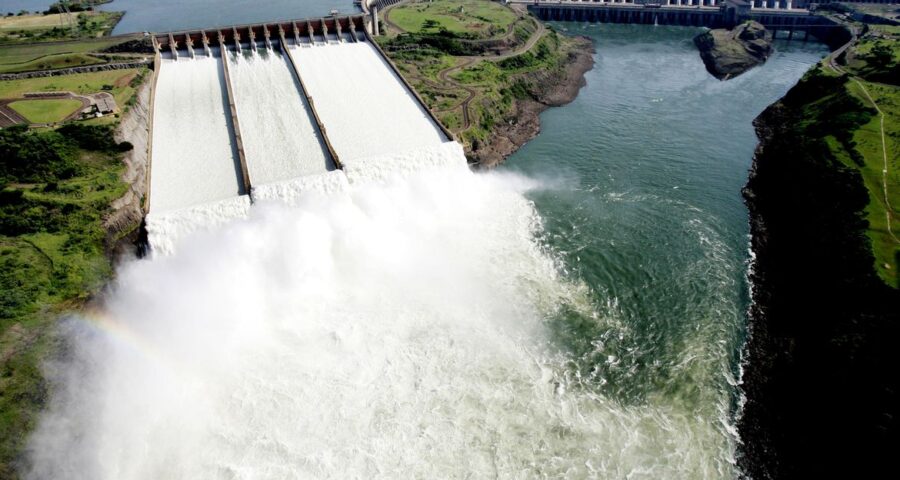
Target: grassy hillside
[
  {"x": 472, "y": 61},
  {"x": 56, "y": 27},
  {"x": 474, "y": 18},
  {"x": 56, "y": 188},
  {"x": 36, "y": 56},
  {"x": 871, "y": 73}
]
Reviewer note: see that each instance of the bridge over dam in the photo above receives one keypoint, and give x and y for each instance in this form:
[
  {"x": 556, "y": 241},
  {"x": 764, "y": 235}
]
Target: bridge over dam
[
  {"x": 785, "y": 16},
  {"x": 250, "y": 113}
]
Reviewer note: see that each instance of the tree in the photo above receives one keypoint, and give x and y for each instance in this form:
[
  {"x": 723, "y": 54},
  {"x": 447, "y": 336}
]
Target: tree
[{"x": 881, "y": 56}]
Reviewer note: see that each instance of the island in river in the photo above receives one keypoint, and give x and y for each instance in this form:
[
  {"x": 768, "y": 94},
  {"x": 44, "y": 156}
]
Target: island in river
[{"x": 729, "y": 53}]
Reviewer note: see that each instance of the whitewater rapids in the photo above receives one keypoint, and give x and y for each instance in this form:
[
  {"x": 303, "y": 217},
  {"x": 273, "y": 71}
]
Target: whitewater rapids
[{"x": 396, "y": 328}]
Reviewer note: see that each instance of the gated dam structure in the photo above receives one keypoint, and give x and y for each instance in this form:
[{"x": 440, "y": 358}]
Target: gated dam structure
[
  {"x": 785, "y": 18},
  {"x": 259, "y": 112}
]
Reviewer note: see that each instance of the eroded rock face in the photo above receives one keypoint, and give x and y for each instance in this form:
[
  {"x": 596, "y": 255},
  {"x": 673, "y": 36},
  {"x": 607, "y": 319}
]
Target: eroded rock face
[
  {"x": 729, "y": 53},
  {"x": 126, "y": 213}
]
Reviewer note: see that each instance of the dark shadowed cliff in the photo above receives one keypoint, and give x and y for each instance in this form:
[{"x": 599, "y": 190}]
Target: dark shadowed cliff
[{"x": 821, "y": 376}]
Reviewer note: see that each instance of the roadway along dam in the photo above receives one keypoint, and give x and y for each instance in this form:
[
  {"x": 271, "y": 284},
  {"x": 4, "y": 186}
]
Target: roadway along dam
[{"x": 265, "y": 112}]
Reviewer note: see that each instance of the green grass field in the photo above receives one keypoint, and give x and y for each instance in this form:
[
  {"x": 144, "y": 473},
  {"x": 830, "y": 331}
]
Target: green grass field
[
  {"x": 56, "y": 27},
  {"x": 46, "y": 111},
  {"x": 13, "y": 57},
  {"x": 868, "y": 143},
  {"x": 480, "y": 17},
  {"x": 116, "y": 82},
  {"x": 48, "y": 62}
]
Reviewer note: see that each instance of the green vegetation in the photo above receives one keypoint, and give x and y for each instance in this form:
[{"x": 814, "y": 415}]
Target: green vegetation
[
  {"x": 48, "y": 62},
  {"x": 56, "y": 26},
  {"x": 46, "y": 111},
  {"x": 504, "y": 81},
  {"x": 122, "y": 84},
  {"x": 26, "y": 57},
  {"x": 470, "y": 61},
  {"x": 865, "y": 154},
  {"x": 870, "y": 70},
  {"x": 56, "y": 187},
  {"x": 469, "y": 18}
]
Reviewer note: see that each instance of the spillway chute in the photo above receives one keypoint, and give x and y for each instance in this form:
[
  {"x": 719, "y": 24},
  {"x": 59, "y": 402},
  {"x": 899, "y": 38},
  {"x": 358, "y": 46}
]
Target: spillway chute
[{"x": 277, "y": 111}]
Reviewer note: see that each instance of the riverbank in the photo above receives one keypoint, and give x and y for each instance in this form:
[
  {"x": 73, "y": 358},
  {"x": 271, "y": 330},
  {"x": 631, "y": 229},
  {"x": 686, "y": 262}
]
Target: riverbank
[
  {"x": 545, "y": 89},
  {"x": 489, "y": 85},
  {"x": 821, "y": 393},
  {"x": 65, "y": 219}
]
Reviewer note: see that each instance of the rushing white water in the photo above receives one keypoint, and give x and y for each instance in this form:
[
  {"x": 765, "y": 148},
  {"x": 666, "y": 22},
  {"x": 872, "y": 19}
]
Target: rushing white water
[
  {"x": 277, "y": 127},
  {"x": 366, "y": 109},
  {"x": 166, "y": 229},
  {"x": 400, "y": 318},
  {"x": 396, "y": 328},
  {"x": 193, "y": 157}
]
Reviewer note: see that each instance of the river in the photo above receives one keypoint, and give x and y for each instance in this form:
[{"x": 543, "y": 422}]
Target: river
[
  {"x": 171, "y": 15},
  {"x": 417, "y": 327},
  {"x": 646, "y": 168}
]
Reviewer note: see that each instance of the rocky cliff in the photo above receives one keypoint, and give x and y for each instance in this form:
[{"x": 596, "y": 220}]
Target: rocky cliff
[
  {"x": 820, "y": 375},
  {"x": 123, "y": 223},
  {"x": 546, "y": 88},
  {"x": 729, "y": 53}
]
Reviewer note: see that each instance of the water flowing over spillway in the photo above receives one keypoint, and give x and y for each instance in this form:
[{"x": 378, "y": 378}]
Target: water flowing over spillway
[
  {"x": 195, "y": 178},
  {"x": 279, "y": 132},
  {"x": 340, "y": 80},
  {"x": 576, "y": 314},
  {"x": 193, "y": 154}
]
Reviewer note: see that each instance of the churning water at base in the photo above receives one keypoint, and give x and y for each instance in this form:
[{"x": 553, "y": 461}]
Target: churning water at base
[{"x": 447, "y": 324}]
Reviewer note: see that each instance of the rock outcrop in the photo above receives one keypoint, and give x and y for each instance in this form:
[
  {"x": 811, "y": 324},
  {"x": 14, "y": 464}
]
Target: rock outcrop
[
  {"x": 819, "y": 366},
  {"x": 546, "y": 89},
  {"x": 123, "y": 222},
  {"x": 729, "y": 53}
]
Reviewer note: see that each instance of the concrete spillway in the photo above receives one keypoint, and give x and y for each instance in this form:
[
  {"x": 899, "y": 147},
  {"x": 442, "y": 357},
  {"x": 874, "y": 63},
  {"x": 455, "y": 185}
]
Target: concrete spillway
[
  {"x": 328, "y": 114},
  {"x": 194, "y": 160},
  {"x": 281, "y": 141},
  {"x": 366, "y": 109}
]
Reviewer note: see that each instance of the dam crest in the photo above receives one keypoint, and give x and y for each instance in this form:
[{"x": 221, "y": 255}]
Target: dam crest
[{"x": 272, "y": 111}]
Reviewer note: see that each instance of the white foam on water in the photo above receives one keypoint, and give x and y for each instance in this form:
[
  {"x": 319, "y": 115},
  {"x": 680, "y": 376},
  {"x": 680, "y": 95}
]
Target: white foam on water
[
  {"x": 381, "y": 167},
  {"x": 392, "y": 329},
  {"x": 292, "y": 191},
  {"x": 166, "y": 230},
  {"x": 366, "y": 109},
  {"x": 279, "y": 133},
  {"x": 193, "y": 160}
]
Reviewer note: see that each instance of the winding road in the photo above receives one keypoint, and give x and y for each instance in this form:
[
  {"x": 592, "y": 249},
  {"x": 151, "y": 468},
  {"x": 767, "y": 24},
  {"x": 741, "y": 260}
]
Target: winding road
[{"x": 468, "y": 61}]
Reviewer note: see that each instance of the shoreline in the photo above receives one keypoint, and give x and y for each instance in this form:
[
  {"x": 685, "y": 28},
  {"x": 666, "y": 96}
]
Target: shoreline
[
  {"x": 554, "y": 91},
  {"x": 820, "y": 320}
]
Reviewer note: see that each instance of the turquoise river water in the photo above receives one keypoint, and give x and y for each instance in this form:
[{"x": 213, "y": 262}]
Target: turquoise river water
[
  {"x": 416, "y": 369},
  {"x": 645, "y": 170}
]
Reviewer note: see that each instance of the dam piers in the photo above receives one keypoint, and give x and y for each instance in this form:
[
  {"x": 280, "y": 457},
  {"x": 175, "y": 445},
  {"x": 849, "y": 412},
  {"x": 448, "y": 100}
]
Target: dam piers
[
  {"x": 784, "y": 17},
  {"x": 286, "y": 107}
]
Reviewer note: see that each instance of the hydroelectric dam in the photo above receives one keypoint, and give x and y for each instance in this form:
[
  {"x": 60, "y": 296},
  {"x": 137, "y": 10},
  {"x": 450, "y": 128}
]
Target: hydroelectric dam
[
  {"x": 780, "y": 16},
  {"x": 249, "y": 113}
]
